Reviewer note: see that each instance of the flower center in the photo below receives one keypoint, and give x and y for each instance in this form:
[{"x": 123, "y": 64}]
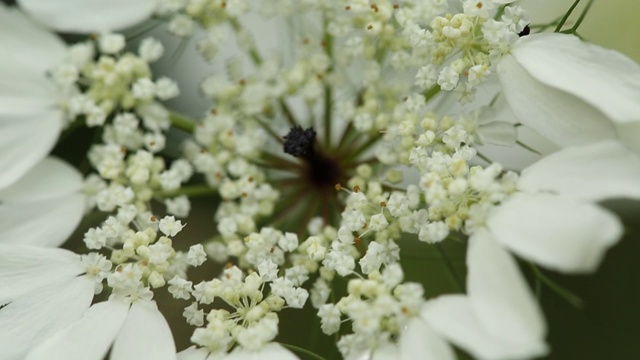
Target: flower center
[{"x": 320, "y": 170}]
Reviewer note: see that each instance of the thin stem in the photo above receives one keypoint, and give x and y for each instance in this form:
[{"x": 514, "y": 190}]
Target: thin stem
[
  {"x": 451, "y": 271},
  {"x": 499, "y": 12},
  {"x": 430, "y": 93},
  {"x": 566, "y": 16},
  {"x": 327, "y": 42},
  {"x": 269, "y": 130},
  {"x": 253, "y": 52},
  {"x": 364, "y": 147},
  {"x": 582, "y": 16},
  {"x": 182, "y": 122},
  {"x": 278, "y": 161},
  {"x": 485, "y": 158},
  {"x": 528, "y": 147},
  {"x": 190, "y": 191},
  {"x": 327, "y": 115},
  {"x": 287, "y": 113},
  {"x": 571, "y": 298},
  {"x": 303, "y": 351}
]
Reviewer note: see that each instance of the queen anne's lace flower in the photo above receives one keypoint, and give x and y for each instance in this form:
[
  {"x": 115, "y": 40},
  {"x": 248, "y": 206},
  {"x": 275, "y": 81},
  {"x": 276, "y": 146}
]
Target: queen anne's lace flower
[
  {"x": 322, "y": 160},
  {"x": 572, "y": 92}
]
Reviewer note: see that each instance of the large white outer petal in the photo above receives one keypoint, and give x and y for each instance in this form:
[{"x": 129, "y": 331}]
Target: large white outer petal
[
  {"x": 31, "y": 319},
  {"x": 145, "y": 334},
  {"x": 387, "y": 351},
  {"x": 44, "y": 206},
  {"x": 453, "y": 317},
  {"x": 25, "y": 140},
  {"x": 86, "y": 16},
  {"x": 594, "y": 172},
  {"x": 193, "y": 353},
  {"x": 604, "y": 78},
  {"x": 26, "y": 46},
  {"x": 556, "y": 232},
  {"x": 26, "y": 269},
  {"x": 270, "y": 351},
  {"x": 43, "y": 223},
  {"x": 87, "y": 339},
  {"x": 419, "y": 338},
  {"x": 500, "y": 297},
  {"x": 560, "y": 117},
  {"x": 51, "y": 178},
  {"x": 30, "y": 121}
]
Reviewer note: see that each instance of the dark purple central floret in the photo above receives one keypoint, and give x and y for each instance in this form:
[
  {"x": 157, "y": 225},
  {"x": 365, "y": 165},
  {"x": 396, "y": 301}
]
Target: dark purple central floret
[
  {"x": 299, "y": 142},
  {"x": 320, "y": 169}
]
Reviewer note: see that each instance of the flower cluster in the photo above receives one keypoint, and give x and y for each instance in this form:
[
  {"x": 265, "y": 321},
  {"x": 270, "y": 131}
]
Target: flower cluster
[{"x": 318, "y": 167}]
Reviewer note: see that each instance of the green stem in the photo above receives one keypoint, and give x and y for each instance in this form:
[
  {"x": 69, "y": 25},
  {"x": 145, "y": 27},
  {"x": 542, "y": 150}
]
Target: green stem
[
  {"x": 364, "y": 147},
  {"x": 566, "y": 16},
  {"x": 566, "y": 294},
  {"x": 263, "y": 124},
  {"x": 430, "y": 93},
  {"x": 190, "y": 191},
  {"x": 528, "y": 147},
  {"x": 253, "y": 52},
  {"x": 581, "y": 18},
  {"x": 287, "y": 113},
  {"x": 182, "y": 122},
  {"x": 450, "y": 270},
  {"x": 485, "y": 158},
  {"x": 328, "y": 48},
  {"x": 303, "y": 351}
]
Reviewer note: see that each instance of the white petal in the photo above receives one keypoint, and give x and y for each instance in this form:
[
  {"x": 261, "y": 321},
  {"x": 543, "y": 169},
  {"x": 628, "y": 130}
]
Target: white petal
[
  {"x": 26, "y": 269},
  {"x": 144, "y": 335},
  {"x": 604, "y": 78},
  {"x": 593, "y": 172},
  {"x": 26, "y": 46},
  {"x": 419, "y": 338},
  {"x": 386, "y": 351},
  {"x": 271, "y": 351},
  {"x": 559, "y": 116},
  {"x": 629, "y": 133},
  {"x": 556, "y": 232},
  {"x": 85, "y": 16},
  {"x": 498, "y": 133},
  {"x": 25, "y": 140},
  {"x": 44, "y": 223},
  {"x": 31, "y": 319},
  {"x": 87, "y": 339},
  {"x": 49, "y": 179},
  {"x": 453, "y": 317},
  {"x": 193, "y": 353},
  {"x": 500, "y": 297}
]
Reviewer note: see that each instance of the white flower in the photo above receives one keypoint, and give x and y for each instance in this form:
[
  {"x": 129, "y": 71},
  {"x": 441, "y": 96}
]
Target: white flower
[
  {"x": 553, "y": 220},
  {"x": 85, "y": 16},
  {"x": 417, "y": 337},
  {"x": 170, "y": 226},
  {"x": 196, "y": 255},
  {"x": 137, "y": 331},
  {"x": 499, "y": 318},
  {"x": 44, "y": 290},
  {"x": 271, "y": 351},
  {"x": 30, "y": 119},
  {"x": 572, "y": 92},
  {"x": 44, "y": 206},
  {"x": 111, "y": 43}
]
